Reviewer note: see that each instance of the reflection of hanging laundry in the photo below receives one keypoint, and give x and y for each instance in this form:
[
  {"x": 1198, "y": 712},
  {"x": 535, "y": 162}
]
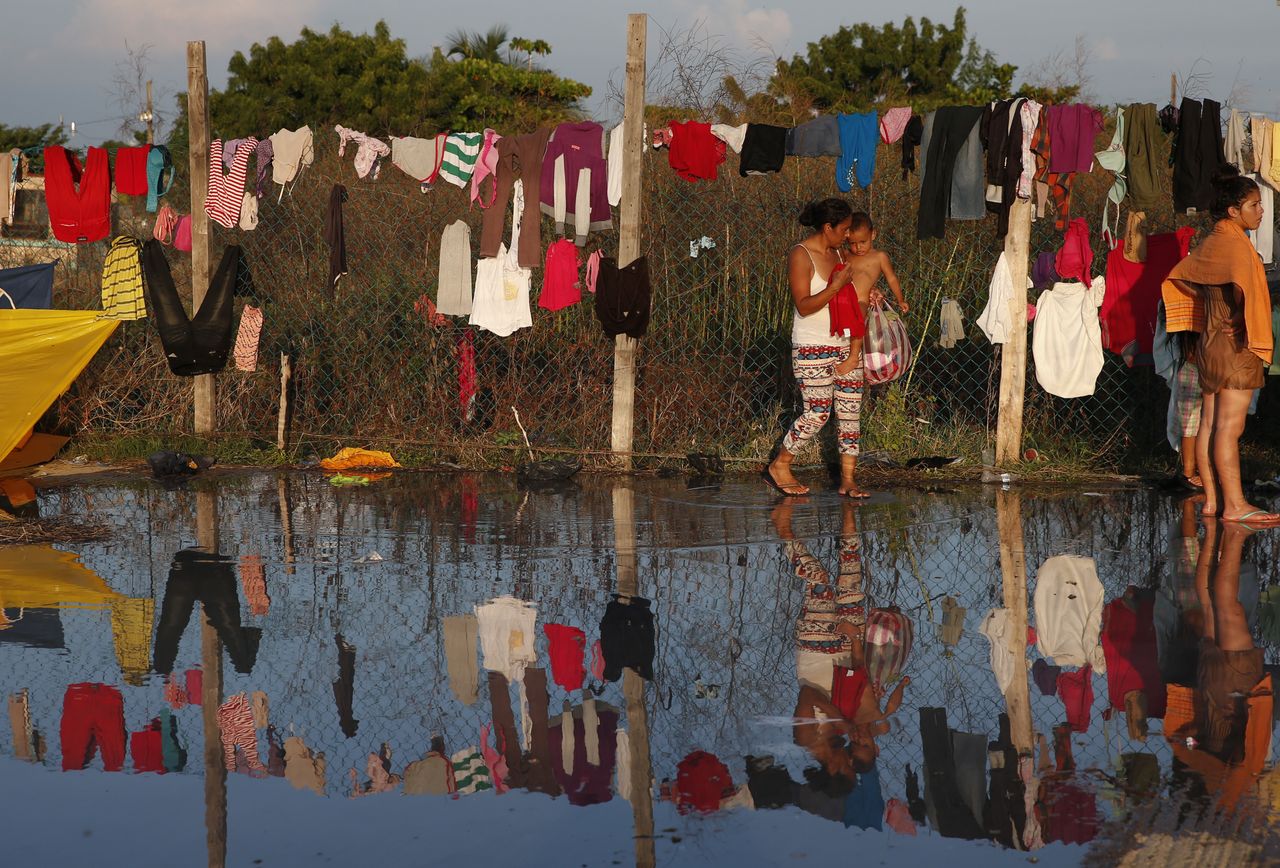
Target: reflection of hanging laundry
[
  {"x": 379, "y": 774},
  {"x": 582, "y": 742},
  {"x": 627, "y": 638},
  {"x": 253, "y": 579},
  {"x": 275, "y": 753},
  {"x": 131, "y": 620},
  {"x": 701, "y": 782},
  {"x": 507, "y": 635},
  {"x": 174, "y": 754},
  {"x": 1045, "y": 677},
  {"x": 235, "y": 724},
  {"x": 195, "y": 686},
  {"x": 430, "y": 776},
  {"x": 567, "y": 650},
  {"x": 344, "y": 687},
  {"x": 470, "y": 774},
  {"x": 995, "y": 626},
  {"x": 146, "y": 749},
  {"x": 952, "y": 626},
  {"x": 495, "y": 759},
  {"x": 199, "y": 575},
  {"x": 532, "y": 770},
  {"x": 302, "y": 769},
  {"x": 1129, "y": 644},
  {"x": 92, "y": 720},
  {"x": 261, "y": 709},
  {"x": 460, "y": 634},
  {"x": 1076, "y": 690},
  {"x": 1068, "y": 610},
  {"x": 20, "y": 725}
]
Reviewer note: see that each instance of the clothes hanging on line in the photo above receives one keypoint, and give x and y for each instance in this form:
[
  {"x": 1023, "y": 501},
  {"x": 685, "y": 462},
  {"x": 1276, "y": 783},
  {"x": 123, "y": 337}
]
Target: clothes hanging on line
[
  {"x": 1074, "y": 130},
  {"x": 293, "y": 151},
  {"x": 78, "y": 198},
  {"x": 819, "y": 137},
  {"x": 160, "y": 172},
  {"x": 1197, "y": 154},
  {"x": 199, "y": 344},
  {"x": 420, "y": 159},
  {"x": 947, "y": 135},
  {"x": 622, "y": 297},
  {"x": 996, "y": 320},
  {"x": 764, "y": 149},
  {"x": 893, "y": 123},
  {"x": 911, "y": 137},
  {"x": 1128, "y": 311},
  {"x": 453, "y": 293},
  {"x": 1066, "y": 342},
  {"x": 131, "y": 170},
  {"x": 226, "y": 190},
  {"x": 486, "y": 169},
  {"x": 369, "y": 151},
  {"x": 695, "y": 153},
  {"x": 951, "y": 324},
  {"x": 574, "y": 186},
  {"x": 560, "y": 284},
  {"x": 458, "y": 163},
  {"x": 859, "y": 136},
  {"x": 248, "y": 337},
  {"x": 122, "y": 294},
  {"x": 520, "y": 160}
]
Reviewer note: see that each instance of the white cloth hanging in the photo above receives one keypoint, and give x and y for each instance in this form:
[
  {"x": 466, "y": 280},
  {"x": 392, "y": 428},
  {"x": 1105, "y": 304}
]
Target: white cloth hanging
[
  {"x": 613, "y": 166},
  {"x": 1068, "y": 610},
  {"x": 1264, "y": 236},
  {"x": 501, "y": 302},
  {"x": 453, "y": 295},
  {"x": 951, "y": 323},
  {"x": 996, "y": 319},
  {"x": 1066, "y": 343}
]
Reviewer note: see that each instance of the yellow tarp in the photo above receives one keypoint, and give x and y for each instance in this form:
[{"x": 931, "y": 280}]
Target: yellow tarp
[
  {"x": 41, "y": 353},
  {"x": 349, "y": 458}
]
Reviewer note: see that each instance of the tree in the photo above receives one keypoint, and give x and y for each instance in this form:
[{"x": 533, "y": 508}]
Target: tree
[
  {"x": 129, "y": 92},
  {"x": 27, "y": 137},
  {"x": 861, "y": 64},
  {"x": 478, "y": 46}
]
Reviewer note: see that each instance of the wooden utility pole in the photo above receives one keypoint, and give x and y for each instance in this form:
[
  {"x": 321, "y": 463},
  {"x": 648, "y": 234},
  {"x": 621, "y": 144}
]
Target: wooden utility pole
[
  {"x": 1013, "y": 356},
  {"x": 150, "y": 117},
  {"x": 624, "y": 347},
  {"x": 198, "y": 120},
  {"x": 1013, "y": 574}
]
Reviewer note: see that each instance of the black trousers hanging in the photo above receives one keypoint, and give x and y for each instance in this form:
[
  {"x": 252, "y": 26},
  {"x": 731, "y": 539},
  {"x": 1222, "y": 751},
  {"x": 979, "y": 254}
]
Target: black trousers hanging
[
  {"x": 199, "y": 344},
  {"x": 207, "y": 577},
  {"x": 951, "y": 128},
  {"x": 1197, "y": 154}
]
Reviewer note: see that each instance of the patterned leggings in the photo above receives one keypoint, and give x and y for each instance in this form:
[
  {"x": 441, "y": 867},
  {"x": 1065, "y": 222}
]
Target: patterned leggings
[{"x": 822, "y": 388}]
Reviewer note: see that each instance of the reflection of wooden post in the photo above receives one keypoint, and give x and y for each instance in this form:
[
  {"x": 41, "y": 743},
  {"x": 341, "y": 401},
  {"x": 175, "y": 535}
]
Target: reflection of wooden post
[
  {"x": 624, "y": 348},
  {"x": 198, "y": 125},
  {"x": 1013, "y": 356},
  {"x": 1013, "y": 573},
  {"x": 633, "y": 686},
  {"x": 286, "y": 522},
  {"x": 215, "y": 773}
]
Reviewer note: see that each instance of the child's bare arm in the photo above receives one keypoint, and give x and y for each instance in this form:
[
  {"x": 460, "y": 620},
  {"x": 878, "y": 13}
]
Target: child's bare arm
[{"x": 892, "y": 279}]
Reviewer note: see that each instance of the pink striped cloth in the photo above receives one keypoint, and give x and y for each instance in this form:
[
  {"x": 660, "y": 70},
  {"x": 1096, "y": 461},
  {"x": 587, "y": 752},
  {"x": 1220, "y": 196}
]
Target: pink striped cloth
[
  {"x": 226, "y": 191},
  {"x": 247, "y": 338}
]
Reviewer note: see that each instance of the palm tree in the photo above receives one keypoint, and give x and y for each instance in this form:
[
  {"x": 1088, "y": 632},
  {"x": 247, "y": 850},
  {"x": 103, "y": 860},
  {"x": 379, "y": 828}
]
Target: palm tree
[{"x": 478, "y": 46}]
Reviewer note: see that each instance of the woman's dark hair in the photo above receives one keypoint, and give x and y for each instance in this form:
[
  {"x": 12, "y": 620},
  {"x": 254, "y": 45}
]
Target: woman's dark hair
[
  {"x": 825, "y": 212},
  {"x": 1229, "y": 190}
]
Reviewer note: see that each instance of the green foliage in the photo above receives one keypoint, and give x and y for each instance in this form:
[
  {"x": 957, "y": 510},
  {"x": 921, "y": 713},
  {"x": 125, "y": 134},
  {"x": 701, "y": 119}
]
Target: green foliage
[
  {"x": 368, "y": 82},
  {"x": 26, "y": 137}
]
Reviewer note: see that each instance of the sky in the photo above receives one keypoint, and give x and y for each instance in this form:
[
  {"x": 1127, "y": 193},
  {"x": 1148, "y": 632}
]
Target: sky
[{"x": 62, "y": 62}]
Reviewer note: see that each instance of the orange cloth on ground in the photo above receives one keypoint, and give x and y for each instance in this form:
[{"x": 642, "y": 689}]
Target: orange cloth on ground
[
  {"x": 1226, "y": 256},
  {"x": 349, "y": 457},
  {"x": 1232, "y": 782}
]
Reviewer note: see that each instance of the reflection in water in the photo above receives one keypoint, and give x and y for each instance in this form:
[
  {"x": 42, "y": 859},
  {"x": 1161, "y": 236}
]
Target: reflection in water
[{"x": 1028, "y": 671}]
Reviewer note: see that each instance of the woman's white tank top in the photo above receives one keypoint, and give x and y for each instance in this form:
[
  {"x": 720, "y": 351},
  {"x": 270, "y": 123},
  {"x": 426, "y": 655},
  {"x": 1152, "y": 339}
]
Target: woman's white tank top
[{"x": 814, "y": 329}]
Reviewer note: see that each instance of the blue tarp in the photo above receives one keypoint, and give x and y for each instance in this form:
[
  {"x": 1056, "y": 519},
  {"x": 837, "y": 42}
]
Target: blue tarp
[{"x": 29, "y": 286}]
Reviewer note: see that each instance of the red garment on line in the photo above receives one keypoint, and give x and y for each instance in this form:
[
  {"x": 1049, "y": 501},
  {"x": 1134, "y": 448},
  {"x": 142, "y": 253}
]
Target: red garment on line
[
  {"x": 1128, "y": 311},
  {"x": 560, "y": 286},
  {"x": 131, "y": 170},
  {"x": 695, "y": 152},
  {"x": 77, "y": 214}
]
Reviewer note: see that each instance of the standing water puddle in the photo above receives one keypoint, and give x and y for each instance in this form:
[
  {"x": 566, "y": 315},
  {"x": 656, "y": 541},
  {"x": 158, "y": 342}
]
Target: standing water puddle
[{"x": 260, "y": 669}]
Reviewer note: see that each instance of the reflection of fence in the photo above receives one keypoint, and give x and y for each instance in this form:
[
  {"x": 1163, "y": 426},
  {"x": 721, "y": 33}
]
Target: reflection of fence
[
  {"x": 725, "y": 601},
  {"x": 714, "y": 370}
]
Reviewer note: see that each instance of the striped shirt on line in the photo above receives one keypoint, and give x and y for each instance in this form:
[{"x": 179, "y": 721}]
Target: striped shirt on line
[
  {"x": 461, "y": 150},
  {"x": 122, "y": 296},
  {"x": 226, "y": 191}
]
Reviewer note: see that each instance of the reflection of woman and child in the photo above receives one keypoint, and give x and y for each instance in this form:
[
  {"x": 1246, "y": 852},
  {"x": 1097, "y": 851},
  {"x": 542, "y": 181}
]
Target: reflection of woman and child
[
  {"x": 1216, "y": 299},
  {"x": 826, "y": 351},
  {"x": 1219, "y": 711},
  {"x": 842, "y": 705}
]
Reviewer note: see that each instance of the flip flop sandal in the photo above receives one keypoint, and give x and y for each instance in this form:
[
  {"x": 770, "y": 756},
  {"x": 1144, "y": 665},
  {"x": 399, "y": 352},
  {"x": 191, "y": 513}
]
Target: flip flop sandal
[
  {"x": 773, "y": 483},
  {"x": 1250, "y": 519}
]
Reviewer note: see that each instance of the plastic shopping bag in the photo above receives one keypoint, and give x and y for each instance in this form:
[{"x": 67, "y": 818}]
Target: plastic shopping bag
[{"x": 886, "y": 350}]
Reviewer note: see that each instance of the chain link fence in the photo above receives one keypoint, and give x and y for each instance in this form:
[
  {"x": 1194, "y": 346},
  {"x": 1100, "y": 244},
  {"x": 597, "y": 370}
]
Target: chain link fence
[{"x": 714, "y": 369}]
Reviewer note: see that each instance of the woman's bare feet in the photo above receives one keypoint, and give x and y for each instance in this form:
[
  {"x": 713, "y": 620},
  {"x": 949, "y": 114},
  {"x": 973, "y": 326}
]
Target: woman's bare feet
[{"x": 778, "y": 474}]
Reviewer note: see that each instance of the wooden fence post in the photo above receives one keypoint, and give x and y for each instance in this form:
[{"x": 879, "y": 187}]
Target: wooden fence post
[
  {"x": 624, "y": 347},
  {"x": 1013, "y": 356},
  {"x": 198, "y": 119}
]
